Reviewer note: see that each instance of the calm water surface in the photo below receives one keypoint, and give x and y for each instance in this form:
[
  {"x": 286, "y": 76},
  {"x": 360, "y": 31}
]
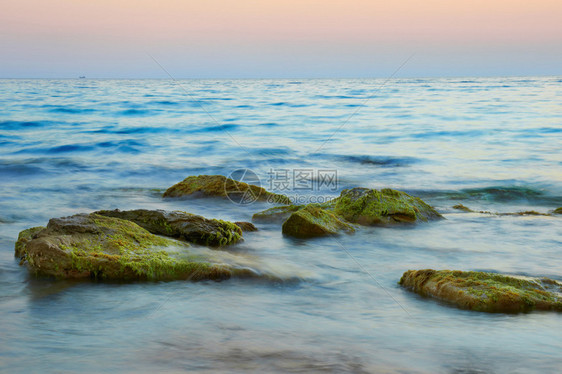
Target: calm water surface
[{"x": 70, "y": 146}]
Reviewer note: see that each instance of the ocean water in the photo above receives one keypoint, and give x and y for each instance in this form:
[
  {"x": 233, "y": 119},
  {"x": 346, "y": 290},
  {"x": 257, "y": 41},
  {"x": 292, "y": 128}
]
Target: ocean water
[{"x": 494, "y": 144}]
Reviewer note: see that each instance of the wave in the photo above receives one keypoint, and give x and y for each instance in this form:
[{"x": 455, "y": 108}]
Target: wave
[
  {"x": 133, "y": 130},
  {"x": 127, "y": 146},
  {"x": 21, "y": 125},
  {"x": 269, "y": 124},
  {"x": 71, "y": 110},
  {"x": 218, "y": 128},
  {"x": 504, "y": 194},
  {"x": 163, "y": 102},
  {"x": 19, "y": 169},
  {"x": 123, "y": 146},
  {"x": 335, "y": 97},
  {"x": 68, "y": 148},
  {"x": 540, "y": 130},
  {"x": 499, "y": 194},
  {"x": 290, "y": 105},
  {"x": 135, "y": 112},
  {"x": 270, "y": 151},
  {"x": 384, "y": 161},
  {"x": 433, "y": 134}
]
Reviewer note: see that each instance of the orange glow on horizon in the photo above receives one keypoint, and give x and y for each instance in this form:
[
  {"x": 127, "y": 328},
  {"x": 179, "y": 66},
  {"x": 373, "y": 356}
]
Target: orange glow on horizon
[
  {"x": 342, "y": 36},
  {"x": 288, "y": 20}
]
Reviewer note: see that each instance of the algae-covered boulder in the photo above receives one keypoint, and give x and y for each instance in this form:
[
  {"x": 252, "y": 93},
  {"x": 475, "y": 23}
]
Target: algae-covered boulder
[
  {"x": 24, "y": 237},
  {"x": 246, "y": 226},
  {"x": 382, "y": 207},
  {"x": 557, "y": 211},
  {"x": 485, "y": 292},
  {"x": 276, "y": 214},
  {"x": 312, "y": 221},
  {"x": 95, "y": 246},
  {"x": 181, "y": 225},
  {"x": 221, "y": 186}
]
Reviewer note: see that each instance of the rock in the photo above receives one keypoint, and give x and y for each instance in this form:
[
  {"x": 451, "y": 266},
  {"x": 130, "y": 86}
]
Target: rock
[
  {"x": 385, "y": 207},
  {"x": 181, "y": 225},
  {"x": 525, "y": 213},
  {"x": 463, "y": 208},
  {"x": 220, "y": 186},
  {"x": 246, "y": 226},
  {"x": 24, "y": 237},
  {"x": 312, "y": 221},
  {"x": 95, "y": 246},
  {"x": 557, "y": 211},
  {"x": 485, "y": 292},
  {"x": 276, "y": 214}
]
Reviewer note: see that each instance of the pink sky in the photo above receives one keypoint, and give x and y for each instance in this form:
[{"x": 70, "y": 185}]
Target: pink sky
[{"x": 279, "y": 38}]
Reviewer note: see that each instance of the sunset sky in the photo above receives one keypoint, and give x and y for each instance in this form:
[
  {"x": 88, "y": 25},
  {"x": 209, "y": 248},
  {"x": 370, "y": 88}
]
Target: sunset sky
[{"x": 279, "y": 38}]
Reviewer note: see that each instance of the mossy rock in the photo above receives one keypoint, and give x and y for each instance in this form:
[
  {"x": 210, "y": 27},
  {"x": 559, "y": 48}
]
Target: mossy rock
[
  {"x": 312, "y": 221},
  {"x": 463, "y": 208},
  {"x": 557, "y": 211},
  {"x": 246, "y": 226},
  {"x": 24, "y": 237},
  {"x": 95, "y": 246},
  {"x": 276, "y": 214},
  {"x": 382, "y": 207},
  {"x": 180, "y": 225},
  {"x": 221, "y": 186},
  {"x": 485, "y": 292}
]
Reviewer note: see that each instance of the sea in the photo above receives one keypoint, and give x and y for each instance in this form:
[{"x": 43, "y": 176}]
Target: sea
[{"x": 492, "y": 144}]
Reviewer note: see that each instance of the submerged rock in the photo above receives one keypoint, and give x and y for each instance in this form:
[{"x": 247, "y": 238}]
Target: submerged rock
[
  {"x": 463, "y": 208},
  {"x": 485, "y": 292},
  {"x": 276, "y": 214},
  {"x": 524, "y": 213},
  {"x": 557, "y": 211},
  {"x": 385, "y": 207},
  {"x": 96, "y": 246},
  {"x": 221, "y": 186},
  {"x": 181, "y": 225},
  {"x": 312, "y": 221},
  {"x": 246, "y": 226}
]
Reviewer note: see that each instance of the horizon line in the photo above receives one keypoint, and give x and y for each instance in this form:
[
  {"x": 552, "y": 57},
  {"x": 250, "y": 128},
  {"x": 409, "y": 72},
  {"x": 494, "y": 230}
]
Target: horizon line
[{"x": 286, "y": 78}]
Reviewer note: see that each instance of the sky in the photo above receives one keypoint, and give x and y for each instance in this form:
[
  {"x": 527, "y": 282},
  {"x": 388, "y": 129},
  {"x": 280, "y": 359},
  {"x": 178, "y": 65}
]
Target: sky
[{"x": 279, "y": 38}]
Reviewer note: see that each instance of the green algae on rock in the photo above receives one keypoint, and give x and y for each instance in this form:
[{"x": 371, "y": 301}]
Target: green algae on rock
[
  {"x": 276, "y": 214},
  {"x": 95, "y": 246},
  {"x": 181, "y": 225},
  {"x": 557, "y": 211},
  {"x": 485, "y": 292},
  {"x": 312, "y": 221},
  {"x": 246, "y": 226},
  {"x": 280, "y": 214},
  {"x": 24, "y": 237},
  {"x": 382, "y": 207},
  {"x": 221, "y": 186}
]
